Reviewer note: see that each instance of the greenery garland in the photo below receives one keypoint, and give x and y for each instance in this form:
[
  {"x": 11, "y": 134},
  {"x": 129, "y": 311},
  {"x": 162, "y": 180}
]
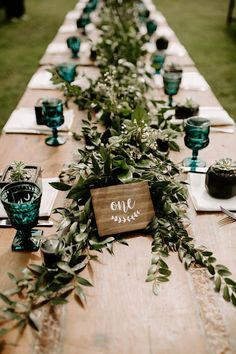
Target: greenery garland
[{"x": 132, "y": 147}]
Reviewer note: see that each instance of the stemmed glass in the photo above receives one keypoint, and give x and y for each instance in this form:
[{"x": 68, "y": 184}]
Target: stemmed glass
[
  {"x": 67, "y": 71},
  {"x": 171, "y": 81},
  {"x": 52, "y": 110},
  {"x": 157, "y": 62},
  {"x": 151, "y": 27},
  {"x": 21, "y": 201},
  {"x": 196, "y": 138},
  {"x": 73, "y": 43}
]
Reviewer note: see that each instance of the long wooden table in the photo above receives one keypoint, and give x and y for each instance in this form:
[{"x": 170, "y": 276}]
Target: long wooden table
[{"x": 122, "y": 316}]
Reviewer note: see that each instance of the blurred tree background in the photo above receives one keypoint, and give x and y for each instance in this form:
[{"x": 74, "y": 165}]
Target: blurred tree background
[
  {"x": 22, "y": 44},
  {"x": 201, "y": 27}
]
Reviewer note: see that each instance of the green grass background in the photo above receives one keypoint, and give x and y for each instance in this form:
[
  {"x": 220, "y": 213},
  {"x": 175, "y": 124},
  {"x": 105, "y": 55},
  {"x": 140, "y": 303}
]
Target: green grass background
[
  {"x": 22, "y": 44},
  {"x": 201, "y": 27}
]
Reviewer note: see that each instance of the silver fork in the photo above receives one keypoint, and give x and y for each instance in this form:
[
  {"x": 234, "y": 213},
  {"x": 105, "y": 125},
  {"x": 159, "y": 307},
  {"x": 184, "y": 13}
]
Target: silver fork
[{"x": 231, "y": 217}]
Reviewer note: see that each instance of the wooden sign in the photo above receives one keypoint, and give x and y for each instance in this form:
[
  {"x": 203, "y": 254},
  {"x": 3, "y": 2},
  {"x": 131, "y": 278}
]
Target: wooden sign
[{"x": 122, "y": 208}]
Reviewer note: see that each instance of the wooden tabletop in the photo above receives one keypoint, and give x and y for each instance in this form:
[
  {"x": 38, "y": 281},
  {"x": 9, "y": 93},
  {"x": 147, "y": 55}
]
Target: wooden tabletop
[{"x": 122, "y": 316}]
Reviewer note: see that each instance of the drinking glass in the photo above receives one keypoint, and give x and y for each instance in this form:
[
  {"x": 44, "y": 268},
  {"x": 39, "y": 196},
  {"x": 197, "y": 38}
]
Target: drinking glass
[
  {"x": 157, "y": 62},
  {"x": 52, "y": 109},
  {"x": 67, "y": 71},
  {"x": 50, "y": 250},
  {"x": 151, "y": 27},
  {"x": 196, "y": 138},
  {"x": 171, "y": 81},
  {"x": 21, "y": 201},
  {"x": 83, "y": 21},
  {"x": 73, "y": 43}
]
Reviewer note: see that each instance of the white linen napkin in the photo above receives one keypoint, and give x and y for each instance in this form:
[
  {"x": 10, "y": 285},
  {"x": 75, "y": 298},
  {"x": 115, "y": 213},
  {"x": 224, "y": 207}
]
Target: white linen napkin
[
  {"x": 23, "y": 120},
  {"x": 68, "y": 28},
  {"x": 49, "y": 195},
  {"x": 41, "y": 80},
  {"x": 202, "y": 201},
  {"x": 57, "y": 48},
  {"x": 159, "y": 18},
  {"x": 176, "y": 49},
  {"x": 165, "y": 31},
  {"x": 73, "y": 15},
  {"x": 217, "y": 115},
  {"x": 191, "y": 80}
]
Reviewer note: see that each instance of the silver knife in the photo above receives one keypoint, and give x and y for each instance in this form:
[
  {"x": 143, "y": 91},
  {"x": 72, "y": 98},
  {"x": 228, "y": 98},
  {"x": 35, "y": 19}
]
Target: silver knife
[{"x": 7, "y": 223}]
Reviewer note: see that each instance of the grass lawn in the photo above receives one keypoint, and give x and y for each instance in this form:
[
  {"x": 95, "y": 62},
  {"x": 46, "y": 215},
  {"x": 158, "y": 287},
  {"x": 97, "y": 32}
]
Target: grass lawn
[
  {"x": 201, "y": 27},
  {"x": 22, "y": 44}
]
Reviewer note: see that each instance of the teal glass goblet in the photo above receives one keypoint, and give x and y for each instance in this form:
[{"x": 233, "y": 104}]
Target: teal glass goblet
[
  {"x": 143, "y": 12},
  {"x": 89, "y": 7},
  {"x": 21, "y": 201},
  {"x": 73, "y": 43},
  {"x": 157, "y": 62},
  {"x": 52, "y": 109},
  {"x": 151, "y": 27},
  {"x": 67, "y": 71},
  {"x": 171, "y": 81},
  {"x": 197, "y": 131},
  {"x": 83, "y": 21}
]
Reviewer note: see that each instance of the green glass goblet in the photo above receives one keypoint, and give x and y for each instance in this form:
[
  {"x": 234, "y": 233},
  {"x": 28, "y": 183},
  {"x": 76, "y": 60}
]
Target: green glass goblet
[
  {"x": 171, "y": 81},
  {"x": 89, "y": 7},
  {"x": 196, "y": 138},
  {"x": 21, "y": 201},
  {"x": 157, "y": 62},
  {"x": 52, "y": 109},
  {"x": 151, "y": 27},
  {"x": 83, "y": 21},
  {"x": 73, "y": 43},
  {"x": 67, "y": 71}
]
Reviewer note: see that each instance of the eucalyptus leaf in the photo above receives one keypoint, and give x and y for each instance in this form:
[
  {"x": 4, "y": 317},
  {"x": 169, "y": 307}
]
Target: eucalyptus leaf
[
  {"x": 233, "y": 299},
  {"x": 224, "y": 272},
  {"x": 151, "y": 277},
  {"x": 60, "y": 186},
  {"x": 217, "y": 283},
  {"x": 81, "y": 294},
  {"x": 83, "y": 281},
  {"x": 58, "y": 301},
  {"x": 226, "y": 294}
]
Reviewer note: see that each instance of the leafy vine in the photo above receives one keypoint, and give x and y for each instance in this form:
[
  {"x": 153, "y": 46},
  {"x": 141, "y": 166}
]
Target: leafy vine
[{"x": 132, "y": 146}]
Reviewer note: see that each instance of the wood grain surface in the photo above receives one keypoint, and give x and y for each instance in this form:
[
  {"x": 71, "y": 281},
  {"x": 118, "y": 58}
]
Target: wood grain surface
[{"x": 122, "y": 316}]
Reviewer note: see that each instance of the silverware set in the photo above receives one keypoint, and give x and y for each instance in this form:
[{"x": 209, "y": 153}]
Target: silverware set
[{"x": 231, "y": 217}]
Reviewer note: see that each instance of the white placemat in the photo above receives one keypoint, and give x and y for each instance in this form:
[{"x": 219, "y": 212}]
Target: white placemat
[
  {"x": 202, "y": 201},
  {"x": 165, "y": 31},
  {"x": 23, "y": 120},
  {"x": 176, "y": 49},
  {"x": 68, "y": 28},
  {"x": 217, "y": 115},
  {"x": 41, "y": 80},
  {"x": 73, "y": 15},
  {"x": 57, "y": 48},
  {"x": 191, "y": 80},
  {"x": 49, "y": 195}
]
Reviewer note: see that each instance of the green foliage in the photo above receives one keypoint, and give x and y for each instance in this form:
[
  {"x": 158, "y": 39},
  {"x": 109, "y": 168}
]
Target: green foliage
[{"x": 129, "y": 150}]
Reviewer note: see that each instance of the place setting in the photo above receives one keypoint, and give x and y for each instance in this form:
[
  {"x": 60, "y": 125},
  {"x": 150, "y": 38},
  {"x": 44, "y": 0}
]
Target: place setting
[{"x": 212, "y": 188}]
